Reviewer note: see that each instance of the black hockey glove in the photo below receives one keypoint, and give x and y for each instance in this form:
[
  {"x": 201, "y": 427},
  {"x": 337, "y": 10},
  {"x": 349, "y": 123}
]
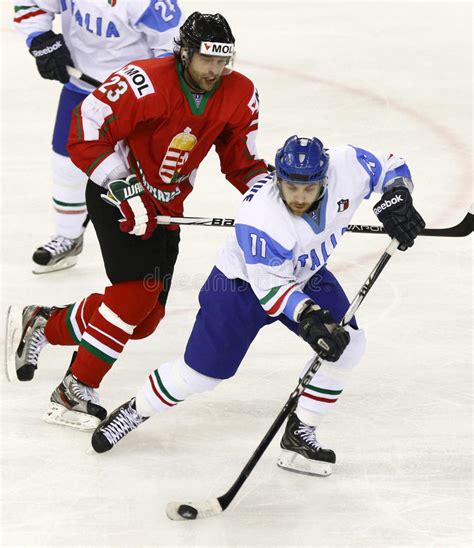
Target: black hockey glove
[
  {"x": 52, "y": 56},
  {"x": 399, "y": 218},
  {"x": 318, "y": 328}
]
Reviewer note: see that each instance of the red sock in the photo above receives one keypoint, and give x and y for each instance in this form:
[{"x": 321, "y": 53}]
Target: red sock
[
  {"x": 124, "y": 306},
  {"x": 66, "y": 326}
]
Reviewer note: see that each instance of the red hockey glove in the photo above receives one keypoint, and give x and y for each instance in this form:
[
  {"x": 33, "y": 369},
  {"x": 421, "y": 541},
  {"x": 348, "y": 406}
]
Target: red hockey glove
[{"x": 137, "y": 207}]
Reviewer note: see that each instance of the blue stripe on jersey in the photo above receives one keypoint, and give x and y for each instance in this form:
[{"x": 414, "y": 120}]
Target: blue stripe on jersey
[
  {"x": 33, "y": 35},
  {"x": 160, "y": 16},
  {"x": 293, "y": 301},
  {"x": 71, "y": 87},
  {"x": 317, "y": 218},
  {"x": 400, "y": 171},
  {"x": 259, "y": 247},
  {"x": 370, "y": 164}
]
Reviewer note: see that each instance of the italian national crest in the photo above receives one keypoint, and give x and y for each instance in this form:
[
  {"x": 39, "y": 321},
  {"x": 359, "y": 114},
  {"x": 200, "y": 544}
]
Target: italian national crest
[{"x": 342, "y": 205}]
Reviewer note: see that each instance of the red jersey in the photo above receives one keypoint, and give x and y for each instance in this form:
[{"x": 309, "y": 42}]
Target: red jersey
[{"x": 145, "y": 119}]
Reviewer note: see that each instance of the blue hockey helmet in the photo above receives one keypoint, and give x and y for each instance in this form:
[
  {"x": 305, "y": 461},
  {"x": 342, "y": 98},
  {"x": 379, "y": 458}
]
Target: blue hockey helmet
[{"x": 302, "y": 161}]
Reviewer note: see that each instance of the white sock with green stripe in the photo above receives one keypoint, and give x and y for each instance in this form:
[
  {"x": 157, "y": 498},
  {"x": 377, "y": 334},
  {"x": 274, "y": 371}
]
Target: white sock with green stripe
[
  {"x": 69, "y": 202},
  {"x": 169, "y": 385},
  {"x": 329, "y": 381}
]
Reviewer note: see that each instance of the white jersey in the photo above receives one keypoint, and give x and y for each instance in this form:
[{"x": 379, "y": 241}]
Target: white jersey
[
  {"x": 104, "y": 35},
  {"x": 278, "y": 252}
]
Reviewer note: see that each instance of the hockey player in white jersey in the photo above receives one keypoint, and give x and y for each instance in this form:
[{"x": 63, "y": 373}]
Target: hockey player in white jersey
[
  {"x": 98, "y": 37},
  {"x": 273, "y": 267}
]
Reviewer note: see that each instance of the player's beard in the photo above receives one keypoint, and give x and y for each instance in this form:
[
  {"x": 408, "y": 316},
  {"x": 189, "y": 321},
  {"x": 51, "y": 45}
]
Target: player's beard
[
  {"x": 299, "y": 209},
  {"x": 202, "y": 86}
]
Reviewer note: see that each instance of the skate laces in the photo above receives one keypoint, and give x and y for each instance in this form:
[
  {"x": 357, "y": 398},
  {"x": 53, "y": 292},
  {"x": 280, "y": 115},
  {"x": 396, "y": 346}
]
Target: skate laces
[
  {"x": 307, "y": 434},
  {"x": 37, "y": 343},
  {"x": 84, "y": 392},
  {"x": 59, "y": 244},
  {"x": 125, "y": 421}
]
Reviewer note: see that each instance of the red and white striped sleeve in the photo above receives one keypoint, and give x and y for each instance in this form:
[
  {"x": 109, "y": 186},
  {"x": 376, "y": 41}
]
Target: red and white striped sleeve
[
  {"x": 106, "y": 117},
  {"x": 34, "y": 17}
]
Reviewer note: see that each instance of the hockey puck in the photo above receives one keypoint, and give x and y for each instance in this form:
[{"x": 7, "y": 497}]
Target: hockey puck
[{"x": 187, "y": 512}]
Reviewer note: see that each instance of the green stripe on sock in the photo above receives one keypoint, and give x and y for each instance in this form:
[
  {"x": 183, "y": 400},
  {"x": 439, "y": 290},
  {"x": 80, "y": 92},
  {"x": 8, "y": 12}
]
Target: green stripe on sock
[
  {"x": 163, "y": 389},
  {"x": 97, "y": 353},
  {"x": 324, "y": 390},
  {"x": 69, "y": 325},
  {"x": 68, "y": 204}
]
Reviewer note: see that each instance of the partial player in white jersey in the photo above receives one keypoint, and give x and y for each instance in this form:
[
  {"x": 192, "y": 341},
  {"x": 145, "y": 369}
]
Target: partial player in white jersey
[
  {"x": 273, "y": 267},
  {"x": 98, "y": 37}
]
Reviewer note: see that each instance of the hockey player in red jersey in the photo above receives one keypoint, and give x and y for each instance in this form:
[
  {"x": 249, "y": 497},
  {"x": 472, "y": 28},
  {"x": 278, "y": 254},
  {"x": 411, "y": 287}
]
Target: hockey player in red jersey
[
  {"x": 149, "y": 126},
  {"x": 97, "y": 38}
]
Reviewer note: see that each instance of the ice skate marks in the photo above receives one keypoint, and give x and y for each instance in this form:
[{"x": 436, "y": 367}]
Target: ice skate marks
[{"x": 13, "y": 330}]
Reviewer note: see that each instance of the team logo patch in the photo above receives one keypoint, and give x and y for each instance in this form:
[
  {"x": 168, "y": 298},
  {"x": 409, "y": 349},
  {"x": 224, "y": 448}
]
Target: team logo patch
[
  {"x": 112, "y": 2},
  {"x": 217, "y": 48},
  {"x": 176, "y": 155},
  {"x": 342, "y": 205}
]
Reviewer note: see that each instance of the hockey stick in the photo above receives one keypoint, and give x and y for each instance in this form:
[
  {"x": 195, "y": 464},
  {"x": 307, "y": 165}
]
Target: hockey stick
[
  {"x": 84, "y": 77},
  {"x": 464, "y": 228},
  {"x": 179, "y": 511}
]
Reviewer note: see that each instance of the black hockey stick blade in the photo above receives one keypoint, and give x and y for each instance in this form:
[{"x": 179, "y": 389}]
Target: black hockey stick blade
[{"x": 464, "y": 228}]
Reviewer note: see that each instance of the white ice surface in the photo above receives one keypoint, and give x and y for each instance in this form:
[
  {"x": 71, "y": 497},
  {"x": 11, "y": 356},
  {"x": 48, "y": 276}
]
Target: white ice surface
[{"x": 390, "y": 75}]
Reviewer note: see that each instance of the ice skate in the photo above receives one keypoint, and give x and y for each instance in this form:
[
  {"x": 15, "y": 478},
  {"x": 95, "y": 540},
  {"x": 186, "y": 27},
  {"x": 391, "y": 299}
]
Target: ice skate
[
  {"x": 120, "y": 422},
  {"x": 75, "y": 404},
  {"x": 58, "y": 254},
  {"x": 302, "y": 452},
  {"x": 24, "y": 340}
]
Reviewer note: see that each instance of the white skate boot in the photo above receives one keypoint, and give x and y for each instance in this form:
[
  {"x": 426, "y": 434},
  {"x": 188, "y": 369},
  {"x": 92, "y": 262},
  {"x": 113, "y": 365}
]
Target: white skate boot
[
  {"x": 75, "y": 404},
  {"x": 24, "y": 340}
]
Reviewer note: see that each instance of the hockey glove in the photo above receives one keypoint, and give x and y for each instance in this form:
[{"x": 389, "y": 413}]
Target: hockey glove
[
  {"x": 137, "y": 207},
  {"x": 318, "y": 328},
  {"x": 399, "y": 218},
  {"x": 52, "y": 56}
]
